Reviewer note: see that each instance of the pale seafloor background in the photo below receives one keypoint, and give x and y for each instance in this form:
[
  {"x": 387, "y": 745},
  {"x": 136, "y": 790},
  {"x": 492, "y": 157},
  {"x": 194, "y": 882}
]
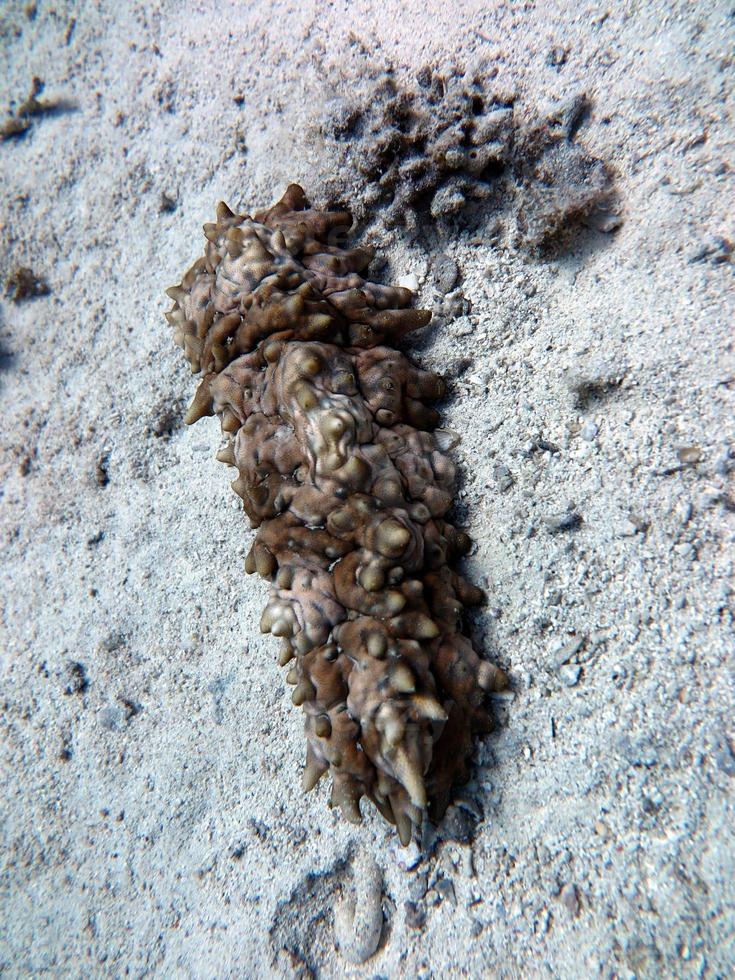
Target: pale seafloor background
[{"x": 152, "y": 820}]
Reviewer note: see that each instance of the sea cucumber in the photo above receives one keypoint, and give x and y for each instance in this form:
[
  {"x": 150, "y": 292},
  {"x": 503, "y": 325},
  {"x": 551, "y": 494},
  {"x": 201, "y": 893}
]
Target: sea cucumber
[{"x": 344, "y": 473}]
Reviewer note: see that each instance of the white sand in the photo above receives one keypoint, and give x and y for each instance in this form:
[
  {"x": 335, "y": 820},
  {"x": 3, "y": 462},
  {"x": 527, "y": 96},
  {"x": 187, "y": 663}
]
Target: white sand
[{"x": 152, "y": 823}]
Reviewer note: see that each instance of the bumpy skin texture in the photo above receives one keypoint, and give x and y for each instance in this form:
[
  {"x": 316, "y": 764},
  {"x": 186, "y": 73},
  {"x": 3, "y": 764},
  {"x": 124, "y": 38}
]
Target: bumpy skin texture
[
  {"x": 457, "y": 146},
  {"x": 341, "y": 471}
]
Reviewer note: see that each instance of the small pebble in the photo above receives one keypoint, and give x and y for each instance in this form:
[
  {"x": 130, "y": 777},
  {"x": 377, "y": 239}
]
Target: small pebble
[
  {"x": 543, "y": 445},
  {"x": 432, "y": 897},
  {"x": 689, "y": 455},
  {"x": 640, "y": 753},
  {"x": 446, "y": 272},
  {"x": 557, "y": 56},
  {"x": 565, "y": 653},
  {"x": 462, "y": 327},
  {"x": 503, "y": 477},
  {"x": 570, "y": 900},
  {"x": 570, "y": 674},
  {"x": 715, "y": 250},
  {"x": 101, "y": 474},
  {"x": 417, "y": 887},
  {"x": 407, "y": 858},
  {"x": 557, "y": 523},
  {"x": 76, "y": 679},
  {"x": 725, "y": 758},
  {"x": 110, "y": 718},
  {"x": 454, "y": 304},
  {"x": 459, "y": 824},
  {"x": 589, "y": 431},
  {"x": 725, "y": 464},
  {"x": 601, "y": 829},
  {"x": 409, "y": 281},
  {"x": 445, "y": 889},
  {"x": 415, "y": 915}
]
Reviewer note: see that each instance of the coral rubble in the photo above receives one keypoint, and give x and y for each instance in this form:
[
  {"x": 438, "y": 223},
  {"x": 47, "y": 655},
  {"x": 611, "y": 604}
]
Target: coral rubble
[
  {"x": 456, "y": 148},
  {"x": 343, "y": 472},
  {"x": 25, "y": 284}
]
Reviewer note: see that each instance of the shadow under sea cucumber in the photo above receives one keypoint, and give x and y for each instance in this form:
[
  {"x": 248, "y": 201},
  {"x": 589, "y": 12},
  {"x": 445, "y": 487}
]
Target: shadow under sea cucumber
[{"x": 343, "y": 472}]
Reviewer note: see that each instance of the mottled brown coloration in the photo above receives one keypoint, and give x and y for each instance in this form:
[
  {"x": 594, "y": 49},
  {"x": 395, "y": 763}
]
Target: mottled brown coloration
[
  {"x": 341, "y": 471},
  {"x": 459, "y": 147}
]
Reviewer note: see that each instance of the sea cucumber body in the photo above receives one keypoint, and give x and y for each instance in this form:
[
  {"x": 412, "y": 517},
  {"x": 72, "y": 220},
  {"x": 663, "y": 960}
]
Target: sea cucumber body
[{"x": 342, "y": 472}]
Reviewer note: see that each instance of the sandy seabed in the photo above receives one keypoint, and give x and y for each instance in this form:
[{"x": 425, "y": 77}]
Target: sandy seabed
[{"x": 152, "y": 818}]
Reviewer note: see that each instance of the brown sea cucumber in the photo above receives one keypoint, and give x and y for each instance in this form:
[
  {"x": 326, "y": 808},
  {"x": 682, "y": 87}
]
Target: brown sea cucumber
[{"x": 343, "y": 472}]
